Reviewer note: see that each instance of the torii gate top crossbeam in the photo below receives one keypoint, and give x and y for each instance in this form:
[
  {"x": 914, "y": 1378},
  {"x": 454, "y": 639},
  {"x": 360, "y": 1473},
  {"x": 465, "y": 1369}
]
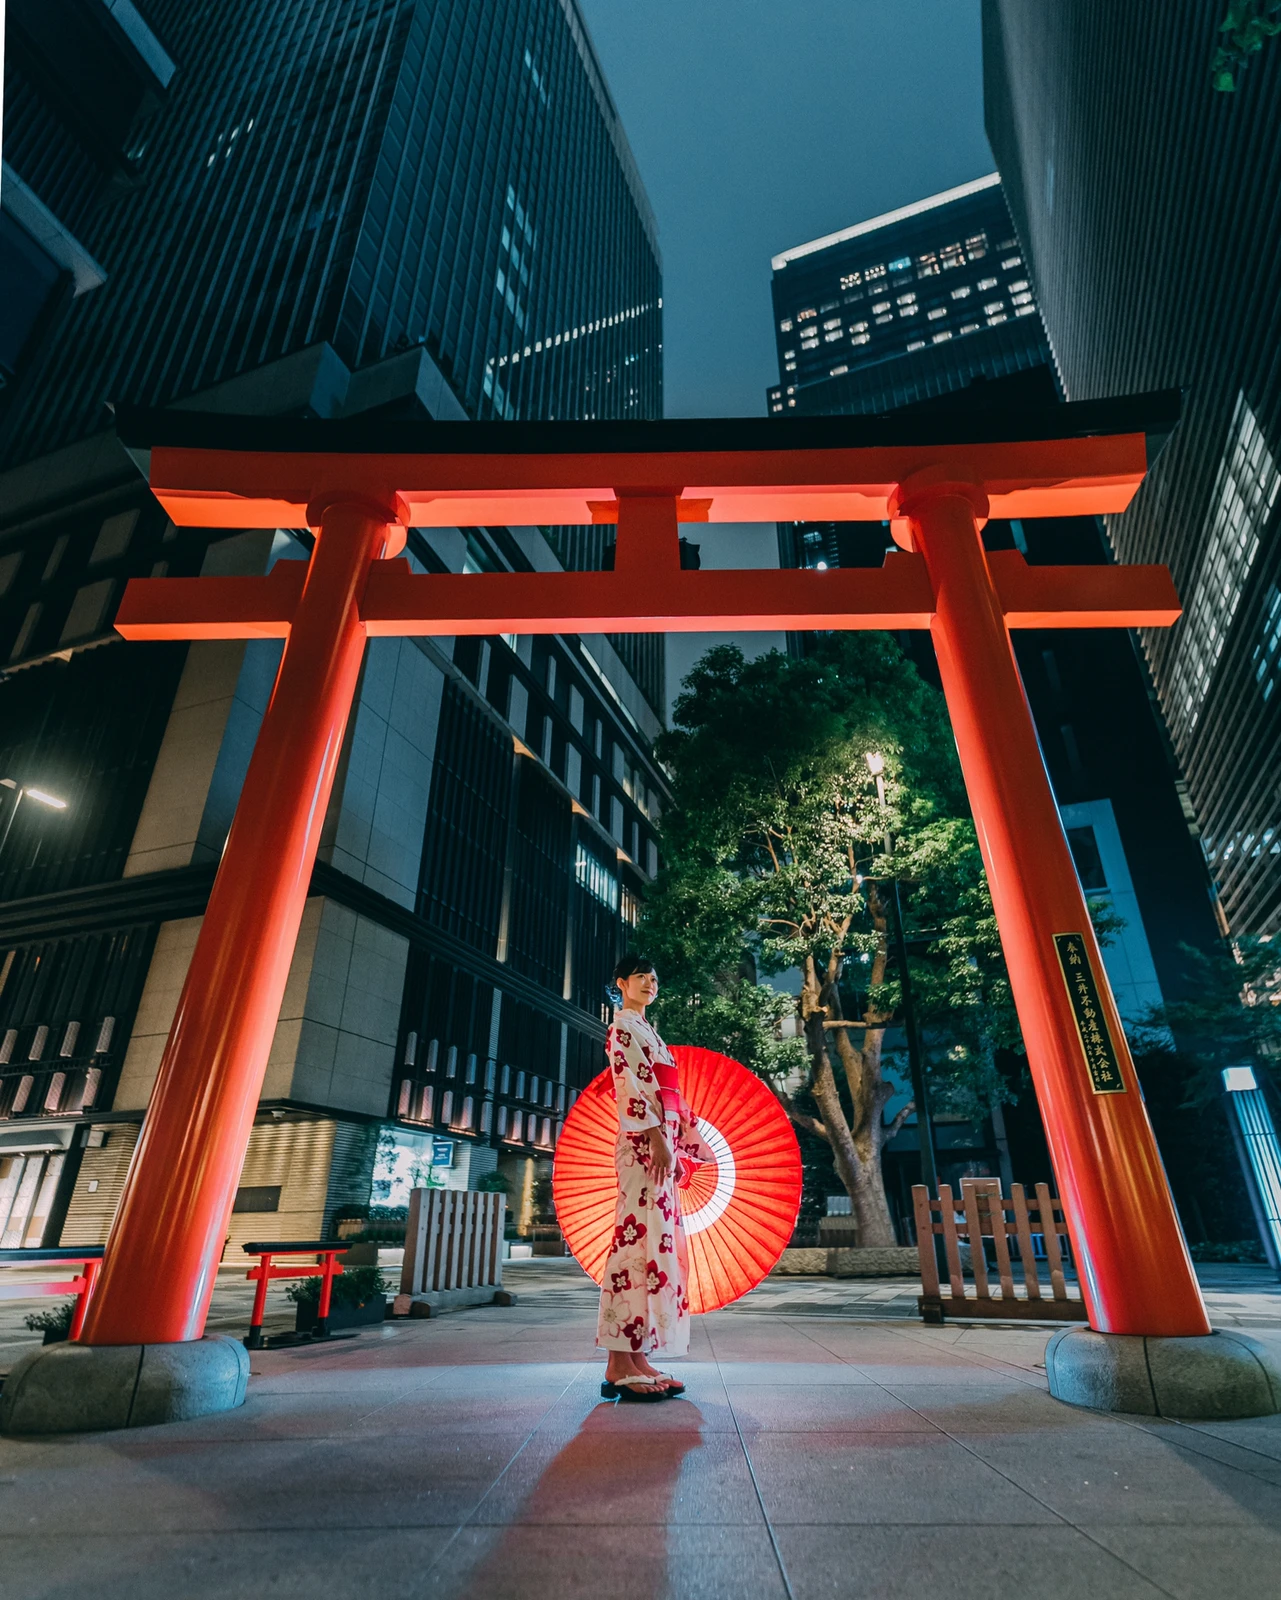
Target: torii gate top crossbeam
[
  {"x": 646, "y": 477},
  {"x": 1069, "y": 460}
]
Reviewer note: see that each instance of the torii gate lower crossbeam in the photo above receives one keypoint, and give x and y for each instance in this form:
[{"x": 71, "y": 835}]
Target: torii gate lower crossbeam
[{"x": 358, "y": 490}]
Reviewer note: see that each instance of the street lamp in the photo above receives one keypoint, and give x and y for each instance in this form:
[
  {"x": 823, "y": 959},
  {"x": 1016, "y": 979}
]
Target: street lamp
[
  {"x": 915, "y": 1056},
  {"x": 41, "y": 796}
]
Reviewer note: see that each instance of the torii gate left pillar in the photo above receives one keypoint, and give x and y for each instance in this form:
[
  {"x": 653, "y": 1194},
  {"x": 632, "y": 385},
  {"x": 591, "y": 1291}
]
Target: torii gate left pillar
[{"x": 158, "y": 1272}]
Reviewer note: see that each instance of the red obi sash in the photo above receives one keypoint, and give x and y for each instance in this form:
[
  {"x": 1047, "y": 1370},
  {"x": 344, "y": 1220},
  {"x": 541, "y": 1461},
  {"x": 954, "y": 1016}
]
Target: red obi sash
[{"x": 669, "y": 1087}]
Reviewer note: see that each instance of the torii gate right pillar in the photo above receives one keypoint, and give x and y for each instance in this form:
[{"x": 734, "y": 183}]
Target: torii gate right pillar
[{"x": 1136, "y": 1274}]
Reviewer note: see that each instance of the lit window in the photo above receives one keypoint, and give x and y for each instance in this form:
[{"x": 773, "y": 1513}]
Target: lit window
[
  {"x": 851, "y": 280},
  {"x": 873, "y": 273},
  {"x": 1021, "y": 299},
  {"x": 786, "y": 325},
  {"x": 599, "y": 882},
  {"x": 917, "y": 344},
  {"x": 1013, "y": 261},
  {"x": 830, "y": 306},
  {"x": 952, "y": 255},
  {"x": 970, "y": 327},
  {"x": 836, "y": 371},
  {"x": 976, "y": 246},
  {"x": 881, "y": 305},
  {"x": 858, "y": 327},
  {"x": 994, "y": 305},
  {"x": 832, "y": 322},
  {"x": 940, "y": 337},
  {"x": 802, "y": 316},
  {"x": 1268, "y": 652},
  {"x": 1019, "y": 283},
  {"x": 881, "y": 321},
  {"x": 859, "y": 338},
  {"x": 789, "y": 355},
  {"x": 986, "y": 283},
  {"x": 1245, "y": 492},
  {"x": 789, "y": 366},
  {"x": 906, "y": 299},
  {"x": 938, "y": 311},
  {"x": 830, "y": 338},
  {"x": 963, "y": 293},
  {"x": 778, "y": 407},
  {"x": 1025, "y": 311},
  {"x": 901, "y": 265},
  {"x": 927, "y": 266},
  {"x": 1000, "y": 316}
]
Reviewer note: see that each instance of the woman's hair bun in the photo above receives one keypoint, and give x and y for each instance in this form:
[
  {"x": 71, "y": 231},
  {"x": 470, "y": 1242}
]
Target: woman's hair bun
[{"x": 629, "y": 966}]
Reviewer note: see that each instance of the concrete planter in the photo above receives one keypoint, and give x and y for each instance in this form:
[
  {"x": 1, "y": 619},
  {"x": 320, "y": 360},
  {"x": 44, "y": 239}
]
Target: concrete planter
[
  {"x": 892, "y": 1261},
  {"x": 374, "y": 1310}
]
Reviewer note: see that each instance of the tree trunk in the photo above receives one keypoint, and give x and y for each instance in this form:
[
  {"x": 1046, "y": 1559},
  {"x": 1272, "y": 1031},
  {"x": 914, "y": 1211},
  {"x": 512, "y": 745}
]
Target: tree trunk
[{"x": 856, "y": 1150}]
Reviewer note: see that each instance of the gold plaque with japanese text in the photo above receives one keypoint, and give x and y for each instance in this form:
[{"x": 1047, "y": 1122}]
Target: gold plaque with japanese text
[{"x": 1087, "y": 1011}]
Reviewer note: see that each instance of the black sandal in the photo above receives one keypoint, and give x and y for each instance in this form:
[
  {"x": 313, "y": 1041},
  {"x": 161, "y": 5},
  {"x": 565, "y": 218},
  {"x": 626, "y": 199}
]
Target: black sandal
[{"x": 643, "y": 1391}]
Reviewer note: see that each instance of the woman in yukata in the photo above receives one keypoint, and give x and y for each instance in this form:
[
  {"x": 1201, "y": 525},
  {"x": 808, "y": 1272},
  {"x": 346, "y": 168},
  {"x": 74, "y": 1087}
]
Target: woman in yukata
[{"x": 644, "y": 1303}]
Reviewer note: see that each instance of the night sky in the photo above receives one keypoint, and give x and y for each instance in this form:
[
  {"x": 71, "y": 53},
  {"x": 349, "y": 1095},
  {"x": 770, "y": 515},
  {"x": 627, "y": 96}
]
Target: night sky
[{"x": 760, "y": 124}]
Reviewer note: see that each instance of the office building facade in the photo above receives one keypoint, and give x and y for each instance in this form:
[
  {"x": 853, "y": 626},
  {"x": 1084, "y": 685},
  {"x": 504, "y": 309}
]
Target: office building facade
[
  {"x": 904, "y": 307},
  {"x": 395, "y": 208},
  {"x": 1146, "y": 202}
]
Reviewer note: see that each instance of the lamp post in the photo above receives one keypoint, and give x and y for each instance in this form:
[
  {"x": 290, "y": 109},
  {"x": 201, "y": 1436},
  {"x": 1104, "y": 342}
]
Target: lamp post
[
  {"x": 915, "y": 1057},
  {"x": 41, "y": 796}
]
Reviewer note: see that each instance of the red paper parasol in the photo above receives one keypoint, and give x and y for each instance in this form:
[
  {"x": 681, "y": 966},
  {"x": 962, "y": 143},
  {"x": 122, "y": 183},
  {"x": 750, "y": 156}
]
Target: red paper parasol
[{"x": 739, "y": 1213}]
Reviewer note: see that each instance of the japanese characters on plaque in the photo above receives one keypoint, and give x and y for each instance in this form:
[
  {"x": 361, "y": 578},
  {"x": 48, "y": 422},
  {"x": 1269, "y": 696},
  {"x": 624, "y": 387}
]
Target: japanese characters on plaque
[{"x": 1091, "y": 1024}]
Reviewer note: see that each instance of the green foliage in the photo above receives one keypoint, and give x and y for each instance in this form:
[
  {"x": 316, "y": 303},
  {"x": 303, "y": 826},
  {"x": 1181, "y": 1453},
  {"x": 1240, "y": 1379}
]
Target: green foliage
[
  {"x": 741, "y": 1019},
  {"x": 353, "y": 1287},
  {"x": 1246, "y": 27},
  {"x": 54, "y": 1319},
  {"x": 776, "y": 858},
  {"x": 1232, "y": 1018},
  {"x": 493, "y": 1183},
  {"x": 1235, "y": 1250}
]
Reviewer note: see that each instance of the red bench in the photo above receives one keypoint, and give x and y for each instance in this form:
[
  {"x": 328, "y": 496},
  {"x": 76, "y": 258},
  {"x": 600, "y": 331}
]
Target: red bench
[{"x": 88, "y": 1258}]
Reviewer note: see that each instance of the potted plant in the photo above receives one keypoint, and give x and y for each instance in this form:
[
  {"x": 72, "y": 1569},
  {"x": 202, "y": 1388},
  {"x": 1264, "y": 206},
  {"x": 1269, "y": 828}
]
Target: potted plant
[
  {"x": 358, "y": 1299},
  {"x": 55, "y": 1323}
]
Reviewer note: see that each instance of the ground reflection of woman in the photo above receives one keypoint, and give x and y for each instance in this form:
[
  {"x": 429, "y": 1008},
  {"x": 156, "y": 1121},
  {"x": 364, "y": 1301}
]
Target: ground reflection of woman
[{"x": 644, "y": 1303}]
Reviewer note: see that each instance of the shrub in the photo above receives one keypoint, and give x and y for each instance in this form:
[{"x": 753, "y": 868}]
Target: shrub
[
  {"x": 1239, "y": 1250},
  {"x": 57, "y": 1319},
  {"x": 353, "y": 1287},
  {"x": 494, "y": 1183}
]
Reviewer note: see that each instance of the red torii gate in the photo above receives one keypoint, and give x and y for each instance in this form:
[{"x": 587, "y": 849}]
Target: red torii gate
[{"x": 360, "y": 484}]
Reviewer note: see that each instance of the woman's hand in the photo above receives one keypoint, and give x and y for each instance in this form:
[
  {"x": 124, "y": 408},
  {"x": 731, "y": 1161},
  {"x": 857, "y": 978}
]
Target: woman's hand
[{"x": 661, "y": 1160}]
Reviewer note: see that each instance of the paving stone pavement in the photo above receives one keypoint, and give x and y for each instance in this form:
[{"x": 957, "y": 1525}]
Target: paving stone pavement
[{"x": 825, "y": 1448}]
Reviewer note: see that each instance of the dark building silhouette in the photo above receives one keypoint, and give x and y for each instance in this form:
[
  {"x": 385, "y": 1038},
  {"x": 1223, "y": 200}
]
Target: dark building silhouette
[
  {"x": 78, "y": 77},
  {"x": 1147, "y": 205},
  {"x": 378, "y": 207}
]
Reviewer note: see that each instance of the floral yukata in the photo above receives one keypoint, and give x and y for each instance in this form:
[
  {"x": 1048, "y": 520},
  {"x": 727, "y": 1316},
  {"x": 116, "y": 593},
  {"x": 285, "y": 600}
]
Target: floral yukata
[{"x": 644, "y": 1303}]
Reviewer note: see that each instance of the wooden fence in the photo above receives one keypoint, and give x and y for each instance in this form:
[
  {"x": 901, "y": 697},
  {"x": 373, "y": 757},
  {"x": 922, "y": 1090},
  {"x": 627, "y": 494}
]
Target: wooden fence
[
  {"x": 982, "y": 1212},
  {"x": 453, "y": 1241}
]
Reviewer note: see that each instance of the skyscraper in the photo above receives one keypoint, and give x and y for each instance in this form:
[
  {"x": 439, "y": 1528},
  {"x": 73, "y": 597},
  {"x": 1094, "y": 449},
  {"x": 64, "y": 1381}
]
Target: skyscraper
[
  {"x": 1146, "y": 202},
  {"x": 386, "y": 207},
  {"x": 916, "y": 303}
]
